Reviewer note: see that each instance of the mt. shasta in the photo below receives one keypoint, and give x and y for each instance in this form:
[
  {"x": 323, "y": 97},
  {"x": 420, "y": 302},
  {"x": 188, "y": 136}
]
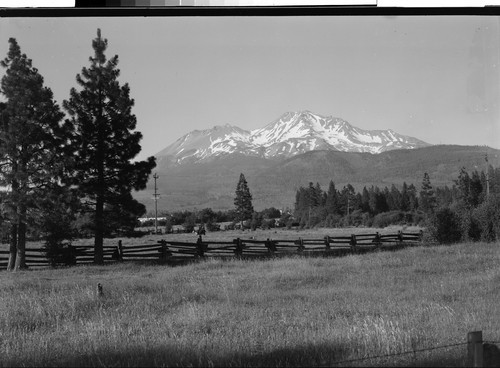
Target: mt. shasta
[{"x": 292, "y": 134}]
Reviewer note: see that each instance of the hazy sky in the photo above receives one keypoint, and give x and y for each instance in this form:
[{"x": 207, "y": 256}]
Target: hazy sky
[{"x": 435, "y": 78}]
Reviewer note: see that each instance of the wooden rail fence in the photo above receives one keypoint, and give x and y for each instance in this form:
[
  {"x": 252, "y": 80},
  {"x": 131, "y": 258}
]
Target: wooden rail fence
[{"x": 166, "y": 251}]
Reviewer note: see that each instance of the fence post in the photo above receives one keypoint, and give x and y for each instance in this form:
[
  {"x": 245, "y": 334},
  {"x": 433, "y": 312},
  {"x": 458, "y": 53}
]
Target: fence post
[
  {"x": 71, "y": 256},
  {"x": 475, "y": 349},
  {"x": 164, "y": 252},
  {"x": 200, "y": 247},
  {"x": 400, "y": 236},
  {"x": 271, "y": 247},
  {"x": 301, "y": 245},
  {"x": 377, "y": 240},
  {"x": 239, "y": 247},
  {"x": 327, "y": 242},
  {"x": 119, "y": 251},
  {"x": 353, "y": 242}
]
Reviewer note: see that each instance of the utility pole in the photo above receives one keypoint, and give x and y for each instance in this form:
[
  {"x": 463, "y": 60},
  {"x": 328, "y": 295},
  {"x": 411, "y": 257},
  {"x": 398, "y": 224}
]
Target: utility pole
[
  {"x": 156, "y": 195},
  {"x": 487, "y": 177}
]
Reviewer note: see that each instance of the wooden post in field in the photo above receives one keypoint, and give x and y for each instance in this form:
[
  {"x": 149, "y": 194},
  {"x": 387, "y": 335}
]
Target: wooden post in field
[
  {"x": 239, "y": 247},
  {"x": 475, "y": 349},
  {"x": 301, "y": 247},
  {"x": 164, "y": 252},
  {"x": 100, "y": 293},
  {"x": 377, "y": 240},
  {"x": 271, "y": 247},
  {"x": 353, "y": 242},
  {"x": 200, "y": 247},
  {"x": 327, "y": 242},
  {"x": 71, "y": 259},
  {"x": 400, "y": 237},
  {"x": 119, "y": 251}
]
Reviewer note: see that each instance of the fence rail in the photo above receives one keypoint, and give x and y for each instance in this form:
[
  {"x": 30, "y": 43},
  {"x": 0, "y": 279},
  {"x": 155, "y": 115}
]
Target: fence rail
[{"x": 165, "y": 251}]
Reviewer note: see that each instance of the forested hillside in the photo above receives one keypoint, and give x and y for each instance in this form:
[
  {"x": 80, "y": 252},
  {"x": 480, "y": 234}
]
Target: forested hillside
[{"x": 275, "y": 182}]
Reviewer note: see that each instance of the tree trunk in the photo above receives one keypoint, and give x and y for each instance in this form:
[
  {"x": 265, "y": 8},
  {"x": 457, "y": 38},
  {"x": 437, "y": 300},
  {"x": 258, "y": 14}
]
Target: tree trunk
[
  {"x": 21, "y": 240},
  {"x": 12, "y": 248},
  {"x": 99, "y": 232},
  {"x": 99, "y": 210}
]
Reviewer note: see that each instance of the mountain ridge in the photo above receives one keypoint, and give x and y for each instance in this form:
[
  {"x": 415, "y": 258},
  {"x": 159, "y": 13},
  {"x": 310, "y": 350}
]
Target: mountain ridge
[{"x": 291, "y": 134}]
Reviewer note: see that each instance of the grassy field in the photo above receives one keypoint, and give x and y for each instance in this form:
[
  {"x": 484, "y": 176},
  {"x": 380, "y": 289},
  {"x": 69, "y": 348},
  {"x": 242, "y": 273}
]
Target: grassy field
[{"x": 281, "y": 312}]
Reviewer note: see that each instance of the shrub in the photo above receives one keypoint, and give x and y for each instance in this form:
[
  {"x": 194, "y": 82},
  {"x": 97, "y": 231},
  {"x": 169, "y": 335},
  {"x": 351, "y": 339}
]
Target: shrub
[
  {"x": 189, "y": 224},
  {"x": 268, "y": 224},
  {"x": 444, "y": 226},
  {"x": 385, "y": 219},
  {"x": 333, "y": 220},
  {"x": 212, "y": 226},
  {"x": 486, "y": 217},
  {"x": 467, "y": 224},
  {"x": 169, "y": 225}
]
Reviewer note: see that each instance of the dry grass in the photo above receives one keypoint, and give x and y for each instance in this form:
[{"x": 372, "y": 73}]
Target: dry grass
[{"x": 282, "y": 312}]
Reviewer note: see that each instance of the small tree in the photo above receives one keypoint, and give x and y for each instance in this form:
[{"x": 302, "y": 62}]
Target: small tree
[{"x": 243, "y": 201}]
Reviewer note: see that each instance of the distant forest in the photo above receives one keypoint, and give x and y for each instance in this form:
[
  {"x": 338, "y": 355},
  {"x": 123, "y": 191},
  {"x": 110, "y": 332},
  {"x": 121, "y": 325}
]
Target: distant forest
[
  {"x": 469, "y": 209},
  {"x": 379, "y": 207}
]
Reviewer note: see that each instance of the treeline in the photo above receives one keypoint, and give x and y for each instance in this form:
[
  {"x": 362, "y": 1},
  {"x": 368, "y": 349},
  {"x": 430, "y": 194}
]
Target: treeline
[
  {"x": 471, "y": 211},
  {"x": 379, "y": 207}
]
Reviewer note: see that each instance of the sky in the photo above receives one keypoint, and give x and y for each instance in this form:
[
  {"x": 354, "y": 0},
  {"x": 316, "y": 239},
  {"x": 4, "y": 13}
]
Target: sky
[{"x": 436, "y": 78}]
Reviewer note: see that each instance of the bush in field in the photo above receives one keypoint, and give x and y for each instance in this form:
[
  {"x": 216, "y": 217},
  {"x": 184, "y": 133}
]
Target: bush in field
[
  {"x": 189, "y": 223},
  {"x": 385, "y": 219},
  {"x": 486, "y": 217},
  {"x": 256, "y": 221},
  {"x": 467, "y": 224},
  {"x": 268, "y": 224},
  {"x": 212, "y": 226},
  {"x": 169, "y": 225},
  {"x": 444, "y": 226}
]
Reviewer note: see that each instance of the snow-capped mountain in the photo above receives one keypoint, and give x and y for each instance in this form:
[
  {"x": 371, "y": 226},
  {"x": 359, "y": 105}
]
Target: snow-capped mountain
[{"x": 293, "y": 133}]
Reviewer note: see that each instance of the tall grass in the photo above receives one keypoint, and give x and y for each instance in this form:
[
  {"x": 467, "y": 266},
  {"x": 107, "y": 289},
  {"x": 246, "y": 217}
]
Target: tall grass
[{"x": 282, "y": 312}]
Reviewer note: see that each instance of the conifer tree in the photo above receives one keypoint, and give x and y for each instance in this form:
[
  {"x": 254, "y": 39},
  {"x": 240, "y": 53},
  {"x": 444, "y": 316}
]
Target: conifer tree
[
  {"x": 412, "y": 198},
  {"x": 332, "y": 200},
  {"x": 243, "y": 200},
  {"x": 463, "y": 183},
  {"x": 31, "y": 145},
  {"x": 346, "y": 199},
  {"x": 476, "y": 189},
  {"x": 405, "y": 198},
  {"x": 365, "y": 200},
  {"x": 395, "y": 201},
  {"x": 427, "y": 195},
  {"x": 104, "y": 141}
]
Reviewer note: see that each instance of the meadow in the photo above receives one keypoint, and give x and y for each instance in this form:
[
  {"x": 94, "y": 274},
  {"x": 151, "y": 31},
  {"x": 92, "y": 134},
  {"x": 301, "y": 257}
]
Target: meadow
[{"x": 291, "y": 311}]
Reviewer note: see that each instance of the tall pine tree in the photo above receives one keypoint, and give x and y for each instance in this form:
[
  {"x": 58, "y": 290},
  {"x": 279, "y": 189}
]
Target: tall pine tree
[
  {"x": 104, "y": 141},
  {"x": 31, "y": 146},
  {"x": 332, "y": 199},
  {"x": 427, "y": 195},
  {"x": 243, "y": 200}
]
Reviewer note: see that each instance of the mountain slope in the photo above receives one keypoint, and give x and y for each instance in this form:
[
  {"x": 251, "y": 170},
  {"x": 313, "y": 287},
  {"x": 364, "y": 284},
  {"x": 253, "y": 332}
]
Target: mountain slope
[
  {"x": 274, "y": 182},
  {"x": 292, "y": 134}
]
